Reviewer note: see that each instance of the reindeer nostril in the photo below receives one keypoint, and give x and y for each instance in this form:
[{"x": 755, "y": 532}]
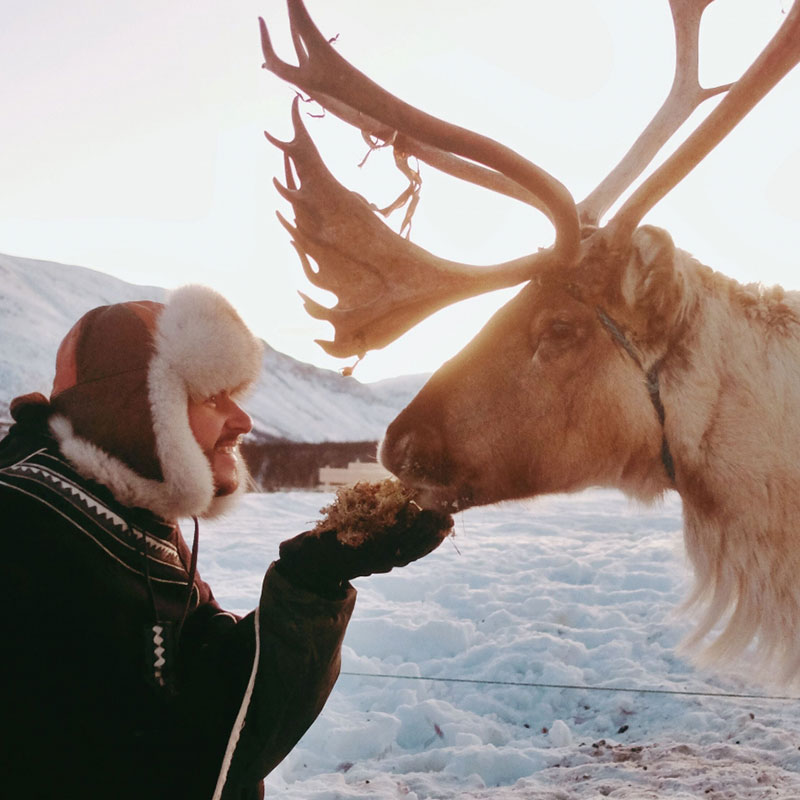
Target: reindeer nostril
[
  {"x": 413, "y": 452},
  {"x": 393, "y": 450}
]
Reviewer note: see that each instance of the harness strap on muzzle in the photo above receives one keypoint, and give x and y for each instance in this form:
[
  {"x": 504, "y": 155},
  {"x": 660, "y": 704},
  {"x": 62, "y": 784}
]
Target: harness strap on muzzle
[{"x": 651, "y": 382}]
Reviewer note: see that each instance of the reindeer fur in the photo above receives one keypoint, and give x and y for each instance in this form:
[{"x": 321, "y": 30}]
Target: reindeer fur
[
  {"x": 731, "y": 386},
  {"x": 575, "y": 413}
]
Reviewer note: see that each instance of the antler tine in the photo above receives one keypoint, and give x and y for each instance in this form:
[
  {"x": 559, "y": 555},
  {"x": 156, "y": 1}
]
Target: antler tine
[
  {"x": 781, "y": 54},
  {"x": 384, "y": 284},
  {"x": 337, "y": 85},
  {"x": 684, "y": 97}
]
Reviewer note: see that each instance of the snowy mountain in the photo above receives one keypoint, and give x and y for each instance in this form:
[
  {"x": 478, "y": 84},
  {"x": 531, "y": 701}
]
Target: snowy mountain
[
  {"x": 40, "y": 300},
  {"x": 303, "y": 403}
]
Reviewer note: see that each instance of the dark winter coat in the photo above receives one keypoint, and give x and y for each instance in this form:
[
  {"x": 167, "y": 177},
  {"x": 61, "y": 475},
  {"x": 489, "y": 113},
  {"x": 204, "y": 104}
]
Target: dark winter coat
[{"x": 84, "y": 711}]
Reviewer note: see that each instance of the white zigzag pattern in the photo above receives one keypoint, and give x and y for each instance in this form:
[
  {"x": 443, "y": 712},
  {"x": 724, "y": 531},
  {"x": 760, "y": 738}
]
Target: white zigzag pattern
[
  {"x": 93, "y": 505},
  {"x": 159, "y": 651},
  {"x": 75, "y": 491},
  {"x": 155, "y": 544}
]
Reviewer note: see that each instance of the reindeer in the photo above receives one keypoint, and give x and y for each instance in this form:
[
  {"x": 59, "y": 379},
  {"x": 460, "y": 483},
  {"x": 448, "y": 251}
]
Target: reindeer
[{"x": 622, "y": 362}]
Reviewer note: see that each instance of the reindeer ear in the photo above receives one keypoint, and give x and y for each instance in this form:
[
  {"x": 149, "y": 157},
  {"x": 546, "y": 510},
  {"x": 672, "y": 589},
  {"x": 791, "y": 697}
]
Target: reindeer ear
[{"x": 653, "y": 283}]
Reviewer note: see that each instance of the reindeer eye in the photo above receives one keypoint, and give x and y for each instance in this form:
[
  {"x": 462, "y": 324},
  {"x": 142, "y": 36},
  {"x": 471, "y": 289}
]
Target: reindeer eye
[
  {"x": 555, "y": 338},
  {"x": 560, "y": 330}
]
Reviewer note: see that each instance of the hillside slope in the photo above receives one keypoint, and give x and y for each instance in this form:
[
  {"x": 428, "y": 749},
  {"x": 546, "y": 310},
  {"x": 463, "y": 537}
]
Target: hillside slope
[{"x": 40, "y": 300}]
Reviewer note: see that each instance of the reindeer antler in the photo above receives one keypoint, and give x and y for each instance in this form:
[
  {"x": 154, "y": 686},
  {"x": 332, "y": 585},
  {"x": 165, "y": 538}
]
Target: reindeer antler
[
  {"x": 376, "y": 274},
  {"x": 385, "y": 285},
  {"x": 338, "y": 86},
  {"x": 684, "y": 97},
  {"x": 404, "y": 298},
  {"x": 781, "y": 54}
]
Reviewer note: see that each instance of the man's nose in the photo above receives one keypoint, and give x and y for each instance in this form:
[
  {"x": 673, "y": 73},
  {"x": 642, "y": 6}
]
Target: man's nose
[{"x": 238, "y": 420}]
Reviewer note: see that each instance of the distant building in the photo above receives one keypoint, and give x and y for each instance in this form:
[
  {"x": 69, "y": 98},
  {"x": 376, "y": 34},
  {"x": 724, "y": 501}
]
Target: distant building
[
  {"x": 331, "y": 478},
  {"x": 281, "y": 465}
]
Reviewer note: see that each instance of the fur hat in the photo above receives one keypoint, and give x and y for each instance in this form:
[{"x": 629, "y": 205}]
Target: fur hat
[{"x": 124, "y": 377}]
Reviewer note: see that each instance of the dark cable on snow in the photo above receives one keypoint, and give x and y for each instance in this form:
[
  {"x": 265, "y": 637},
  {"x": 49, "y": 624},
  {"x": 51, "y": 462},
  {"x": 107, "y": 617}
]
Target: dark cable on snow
[{"x": 574, "y": 687}]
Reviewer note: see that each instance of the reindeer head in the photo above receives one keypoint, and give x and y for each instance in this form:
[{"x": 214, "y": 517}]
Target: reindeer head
[
  {"x": 555, "y": 393},
  {"x": 560, "y": 389}
]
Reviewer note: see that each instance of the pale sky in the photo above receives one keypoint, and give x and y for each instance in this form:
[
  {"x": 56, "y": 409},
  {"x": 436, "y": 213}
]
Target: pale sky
[{"x": 132, "y": 140}]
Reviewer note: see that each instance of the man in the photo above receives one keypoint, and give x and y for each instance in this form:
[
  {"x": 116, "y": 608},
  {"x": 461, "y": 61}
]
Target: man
[{"x": 126, "y": 679}]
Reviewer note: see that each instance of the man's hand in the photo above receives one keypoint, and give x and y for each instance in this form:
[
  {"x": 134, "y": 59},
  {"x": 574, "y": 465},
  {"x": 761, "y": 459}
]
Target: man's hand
[{"x": 320, "y": 561}]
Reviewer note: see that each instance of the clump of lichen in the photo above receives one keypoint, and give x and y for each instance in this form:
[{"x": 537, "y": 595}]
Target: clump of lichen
[{"x": 364, "y": 509}]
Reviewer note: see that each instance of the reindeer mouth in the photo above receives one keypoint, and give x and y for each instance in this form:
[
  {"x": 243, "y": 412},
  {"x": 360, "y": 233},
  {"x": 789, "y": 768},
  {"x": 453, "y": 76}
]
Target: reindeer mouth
[
  {"x": 417, "y": 456},
  {"x": 436, "y": 497}
]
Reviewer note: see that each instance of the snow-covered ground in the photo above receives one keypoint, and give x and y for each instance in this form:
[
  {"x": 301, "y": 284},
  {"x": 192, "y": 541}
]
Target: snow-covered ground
[{"x": 579, "y": 593}]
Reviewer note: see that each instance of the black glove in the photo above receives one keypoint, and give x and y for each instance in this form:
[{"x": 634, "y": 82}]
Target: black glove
[{"x": 320, "y": 561}]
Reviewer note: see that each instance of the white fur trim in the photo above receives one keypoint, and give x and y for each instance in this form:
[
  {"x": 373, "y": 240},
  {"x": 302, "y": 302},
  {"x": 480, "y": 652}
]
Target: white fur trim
[
  {"x": 187, "y": 474},
  {"x": 203, "y": 339},
  {"x": 127, "y": 486},
  {"x": 202, "y": 347}
]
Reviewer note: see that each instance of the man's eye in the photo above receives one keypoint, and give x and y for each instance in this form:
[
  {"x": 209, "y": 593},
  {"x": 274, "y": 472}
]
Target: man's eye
[{"x": 211, "y": 401}]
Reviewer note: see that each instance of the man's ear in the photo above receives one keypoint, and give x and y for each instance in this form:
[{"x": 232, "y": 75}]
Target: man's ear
[{"x": 654, "y": 282}]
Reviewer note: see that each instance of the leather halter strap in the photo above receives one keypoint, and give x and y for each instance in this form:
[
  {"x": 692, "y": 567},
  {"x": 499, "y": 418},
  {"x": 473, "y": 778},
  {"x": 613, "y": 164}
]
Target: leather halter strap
[{"x": 651, "y": 382}]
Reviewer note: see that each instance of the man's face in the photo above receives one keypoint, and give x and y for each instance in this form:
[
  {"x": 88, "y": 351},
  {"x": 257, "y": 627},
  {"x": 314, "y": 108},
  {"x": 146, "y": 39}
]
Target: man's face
[{"x": 217, "y": 423}]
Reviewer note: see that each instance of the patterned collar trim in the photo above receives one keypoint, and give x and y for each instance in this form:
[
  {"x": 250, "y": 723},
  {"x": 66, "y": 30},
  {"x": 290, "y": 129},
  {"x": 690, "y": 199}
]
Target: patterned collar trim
[{"x": 122, "y": 533}]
